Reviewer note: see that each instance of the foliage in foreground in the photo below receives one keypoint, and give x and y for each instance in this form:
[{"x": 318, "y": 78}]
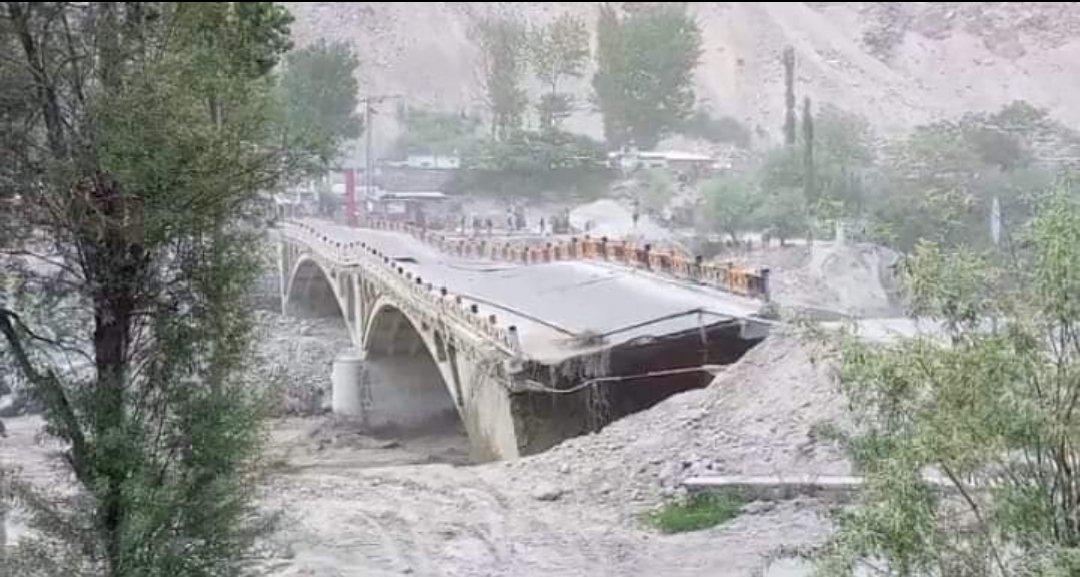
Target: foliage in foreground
[
  {"x": 148, "y": 134},
  {"x": 699, "y": 511},
  {"x": 990, "y": 409}
]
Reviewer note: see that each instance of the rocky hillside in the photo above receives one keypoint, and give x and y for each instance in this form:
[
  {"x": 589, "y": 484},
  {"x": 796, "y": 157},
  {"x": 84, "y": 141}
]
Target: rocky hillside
[{"x": 897, "y": 63}]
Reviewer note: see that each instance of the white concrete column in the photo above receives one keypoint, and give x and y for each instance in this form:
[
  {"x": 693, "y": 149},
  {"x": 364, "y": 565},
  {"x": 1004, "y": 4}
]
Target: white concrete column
[{"x": 346, "y": 379}]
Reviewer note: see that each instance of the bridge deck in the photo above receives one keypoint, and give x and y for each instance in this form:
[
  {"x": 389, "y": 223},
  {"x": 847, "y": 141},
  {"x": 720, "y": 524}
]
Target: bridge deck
[{"x": 551, "y": 302}]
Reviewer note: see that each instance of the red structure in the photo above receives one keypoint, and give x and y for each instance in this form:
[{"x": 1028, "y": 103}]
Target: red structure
[{"x": 350, "y": 197}]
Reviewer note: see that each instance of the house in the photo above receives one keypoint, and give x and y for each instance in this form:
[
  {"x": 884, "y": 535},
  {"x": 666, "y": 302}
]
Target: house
[
  {"x": 428, "y": 161},
  {"x": 630, "y": 159},
  {"x": 411, "y": 206}
]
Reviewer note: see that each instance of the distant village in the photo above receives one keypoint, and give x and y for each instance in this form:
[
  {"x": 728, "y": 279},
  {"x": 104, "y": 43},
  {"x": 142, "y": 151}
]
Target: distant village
[{"x": 419, "y": 186}]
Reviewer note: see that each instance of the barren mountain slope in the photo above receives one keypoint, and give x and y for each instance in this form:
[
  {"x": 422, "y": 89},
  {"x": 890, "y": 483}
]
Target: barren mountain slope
[{"x": 898, "y": 63}]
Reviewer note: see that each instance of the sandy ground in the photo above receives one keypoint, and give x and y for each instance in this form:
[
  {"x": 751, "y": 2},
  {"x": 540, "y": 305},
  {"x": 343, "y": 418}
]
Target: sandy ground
[
  {"x": 854, "y": 279},
  {"x": 358, "y": 505},
  {"x": 411, "y": 503},
  {"x": 612, "y": 218},
  {"x": 348, "y": 516},
  {"x": 355, "y": 505}
]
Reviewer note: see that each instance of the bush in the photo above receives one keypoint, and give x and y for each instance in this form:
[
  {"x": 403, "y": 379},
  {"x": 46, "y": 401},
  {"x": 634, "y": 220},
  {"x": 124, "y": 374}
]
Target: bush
[
  {"x": 986, "y": 405},
  {"x": 535, "y": 151},
  {"x": 700, "y": 511},
  {"x": 719, "y": 130}
]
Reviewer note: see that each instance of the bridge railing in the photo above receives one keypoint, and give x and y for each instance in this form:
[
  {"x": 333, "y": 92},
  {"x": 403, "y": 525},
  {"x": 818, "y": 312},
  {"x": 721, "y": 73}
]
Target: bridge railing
[
  {"x": 406, "y": 283},
  {"x": 742, "y": 281}
]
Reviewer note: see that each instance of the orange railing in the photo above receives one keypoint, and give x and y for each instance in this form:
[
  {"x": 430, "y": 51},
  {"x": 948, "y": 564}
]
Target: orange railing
[{"x": 727, "y": 277}]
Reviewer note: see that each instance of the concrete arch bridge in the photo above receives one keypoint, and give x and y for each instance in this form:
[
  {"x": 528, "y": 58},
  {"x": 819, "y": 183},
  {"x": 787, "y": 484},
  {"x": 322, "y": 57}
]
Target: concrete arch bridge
[{"x": 525, "y": 352}]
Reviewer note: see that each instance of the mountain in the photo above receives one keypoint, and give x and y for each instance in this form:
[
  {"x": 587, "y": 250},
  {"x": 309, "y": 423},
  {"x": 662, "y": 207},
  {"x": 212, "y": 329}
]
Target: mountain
[{"x": 899, "y": 64}]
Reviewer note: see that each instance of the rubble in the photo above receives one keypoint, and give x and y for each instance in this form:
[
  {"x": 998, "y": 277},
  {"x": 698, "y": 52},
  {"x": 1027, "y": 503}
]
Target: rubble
[
  {"x": 292, "y": 360},
  {"x": 759, "y": 417}
]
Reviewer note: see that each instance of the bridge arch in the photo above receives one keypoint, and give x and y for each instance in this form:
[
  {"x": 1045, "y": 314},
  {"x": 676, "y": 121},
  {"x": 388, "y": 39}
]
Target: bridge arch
[
  {"x": 392, "y": 332},
  {"x": 311, "y": 290}
]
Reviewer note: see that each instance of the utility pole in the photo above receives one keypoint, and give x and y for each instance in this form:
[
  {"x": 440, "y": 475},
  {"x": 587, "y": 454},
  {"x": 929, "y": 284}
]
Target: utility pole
[{"x": 369, "y": 160}]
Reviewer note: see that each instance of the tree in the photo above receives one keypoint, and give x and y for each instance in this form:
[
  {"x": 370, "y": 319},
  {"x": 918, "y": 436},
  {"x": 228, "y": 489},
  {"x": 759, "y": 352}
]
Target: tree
[
  {"x": 646, "y": 59},
  {"x": 610, "y": 69},
  {"x": 732, "y": 206},
  {"x": 320, "y": 91},
  {"x": 724, "y": 129},
  {"x": 150, "y": 132},
  {"x": 844, "y": 156},
  {"x": 556, "y": 51},
  {"x": 789, "y": 95},
  {"x": 939, "y": 183},
  {"x": 534, "y": 153},
  {"x": 503, "y": 50},
  {"x": 988, "y": 408},
  {"x": 809, "y": 182},
  {"x": 435, "y": 132},
  {"x": 655, "y": 188},
  {"x": 783, "y": 212}
]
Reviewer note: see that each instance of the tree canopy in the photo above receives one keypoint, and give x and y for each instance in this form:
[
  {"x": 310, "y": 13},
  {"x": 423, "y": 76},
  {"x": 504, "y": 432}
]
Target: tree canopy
[
  {"x": 320, "y": 92},
  {"x": 556, "y": 51},
  {"x": 503, "y": 45},
  {"x": 987, "y": 408},
  {"x": 146, "y": 136},
  {"x": 426, "y": 131},
  {"x": 645, "y": 56}
]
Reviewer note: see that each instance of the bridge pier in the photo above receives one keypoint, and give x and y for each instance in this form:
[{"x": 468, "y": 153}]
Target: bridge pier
[{"x": 404, "y": 392}]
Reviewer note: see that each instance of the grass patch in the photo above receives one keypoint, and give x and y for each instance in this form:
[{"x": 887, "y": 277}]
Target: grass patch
[{"x": 699, "y": 511}]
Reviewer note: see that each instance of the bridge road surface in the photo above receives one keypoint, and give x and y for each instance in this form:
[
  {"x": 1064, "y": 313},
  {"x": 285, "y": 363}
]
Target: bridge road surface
[{"x": 546, "y": 301}]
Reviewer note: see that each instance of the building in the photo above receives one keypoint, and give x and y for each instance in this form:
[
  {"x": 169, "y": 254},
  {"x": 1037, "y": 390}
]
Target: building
[
  {"x": 693, "y": 165},
  {"x": 427, "y": 161},
  {"x": 411, "y": 206}
]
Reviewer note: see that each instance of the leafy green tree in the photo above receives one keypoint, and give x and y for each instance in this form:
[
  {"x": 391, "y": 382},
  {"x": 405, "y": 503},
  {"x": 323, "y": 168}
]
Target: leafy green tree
[
  {"x": 940, "y": 182},
  {"x": 646, "y": 57},
  {"x": 435, "y": 132},
  {"x": 930, "y": 189},
  {"x": 810, "y": 189},
  {"x": 534, "y": 152},
  {"x": 844, "y": 158},
  {"x": 320, "y": 91},
  {"x": 783, "y": 212},
  {"x": 149, "y": 133},
  {"x": 732, "y": 205},
  {"x": 724, "y": 129},
  {"x": 655, "y": 190},
  {"x": 503, "y": 45},
  {"x": 788, "y": 60},
  {"x": 558, "y": 50},
  {"x": 987, "y": 409},
  {"x": 611, "y": 65}
]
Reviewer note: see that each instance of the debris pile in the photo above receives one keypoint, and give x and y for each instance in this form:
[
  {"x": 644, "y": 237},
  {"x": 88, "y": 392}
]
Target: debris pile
[
  {"x": 763, "y": 416},
  {"x": 293, "y": 359}
]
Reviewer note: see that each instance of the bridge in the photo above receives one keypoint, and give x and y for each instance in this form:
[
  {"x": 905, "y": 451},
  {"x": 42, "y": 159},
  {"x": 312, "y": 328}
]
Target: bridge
[{"x": 527, "y": 342}]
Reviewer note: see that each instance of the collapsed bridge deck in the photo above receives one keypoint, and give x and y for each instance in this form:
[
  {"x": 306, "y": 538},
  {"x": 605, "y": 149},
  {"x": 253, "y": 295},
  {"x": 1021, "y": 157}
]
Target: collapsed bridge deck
[{"x": 540, "y": 330}]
